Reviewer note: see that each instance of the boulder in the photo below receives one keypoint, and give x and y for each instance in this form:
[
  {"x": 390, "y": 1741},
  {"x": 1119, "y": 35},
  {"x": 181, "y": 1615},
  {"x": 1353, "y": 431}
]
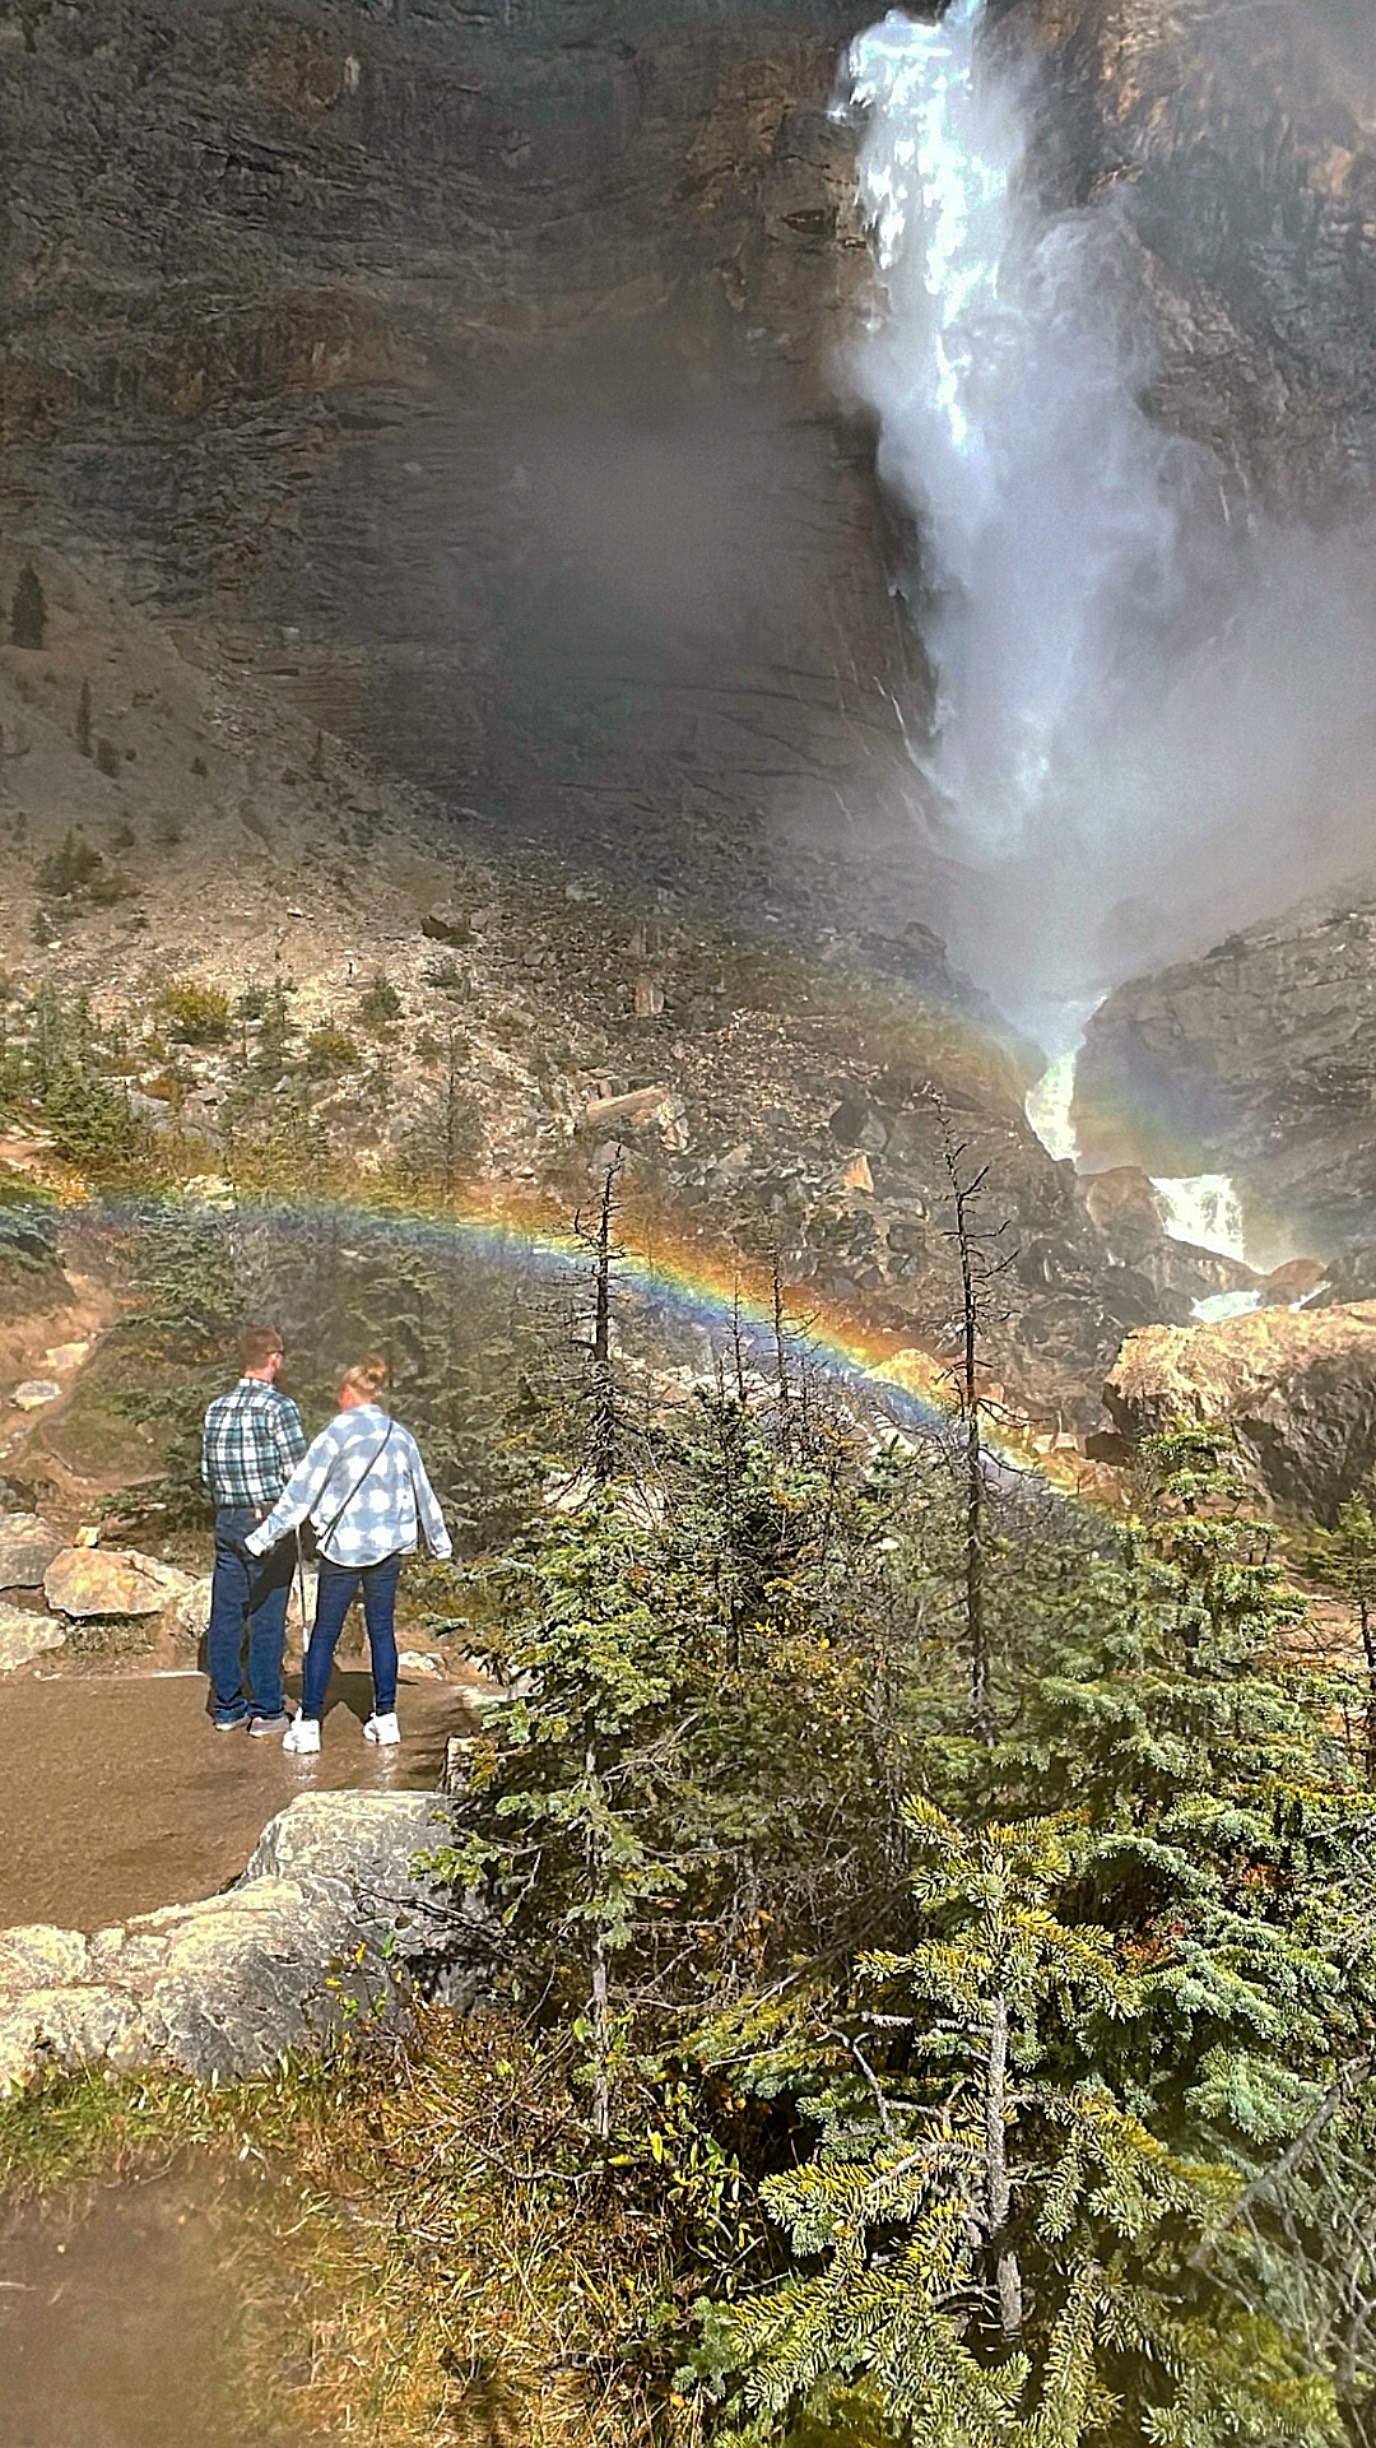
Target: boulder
[
  {"x": 27, "y": 1547},
  {"x": 91, "y": 1581},
  {"x": 34, "y": 1392},
  {"x": 1297, "y": 1387},
  {"x": 193, "y": 1609},
  {"x": 26, "y": 1636},
  {"x": 326, "y": 1916},
  {"x": 447, "y": 925},
  {"x": 641, "y": 1109}
]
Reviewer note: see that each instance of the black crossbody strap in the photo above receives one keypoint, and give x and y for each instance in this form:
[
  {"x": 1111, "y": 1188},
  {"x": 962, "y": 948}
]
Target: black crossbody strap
[{"x": 374, "y": 1457}]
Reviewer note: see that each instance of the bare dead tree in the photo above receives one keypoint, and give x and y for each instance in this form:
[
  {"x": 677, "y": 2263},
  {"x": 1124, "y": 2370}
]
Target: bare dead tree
[
  {"x": 980, "y": 1263},
  {"x": 603, "y": 1439}
]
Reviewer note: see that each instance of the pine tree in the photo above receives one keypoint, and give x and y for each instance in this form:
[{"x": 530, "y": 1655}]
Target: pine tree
[
  {"x": 990, "y": 2238},
  {"x": 29, "y": 612}
]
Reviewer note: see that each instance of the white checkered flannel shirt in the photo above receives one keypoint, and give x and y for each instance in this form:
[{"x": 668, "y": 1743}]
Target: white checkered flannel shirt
[{"x": 391, "y": 1506}]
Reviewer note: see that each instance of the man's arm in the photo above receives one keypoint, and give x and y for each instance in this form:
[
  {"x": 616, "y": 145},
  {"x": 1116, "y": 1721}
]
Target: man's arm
[
  {"x": 207, "y": 1440},
  {"x": 288, "y": 1435}
]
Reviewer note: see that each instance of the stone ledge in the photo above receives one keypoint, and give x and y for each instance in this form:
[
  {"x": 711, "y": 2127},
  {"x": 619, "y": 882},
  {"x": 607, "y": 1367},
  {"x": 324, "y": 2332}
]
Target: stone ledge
[{"x": 224, "y": 1986}]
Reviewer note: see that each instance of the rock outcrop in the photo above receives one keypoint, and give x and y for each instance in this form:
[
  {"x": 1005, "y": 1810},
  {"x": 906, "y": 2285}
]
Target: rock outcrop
[
  {"x": 222, "y": 1987},
  {"x": 1242, "y": 145},
  {"x": 1297, "y": 1390},
  {"x": 1257, "y": 1060}
]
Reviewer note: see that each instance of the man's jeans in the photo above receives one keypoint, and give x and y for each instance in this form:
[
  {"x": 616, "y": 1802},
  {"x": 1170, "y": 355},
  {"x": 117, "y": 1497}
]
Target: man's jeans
[
  {"x": 248, "y": 1594},
  {"x": 333, "y": 1597}
]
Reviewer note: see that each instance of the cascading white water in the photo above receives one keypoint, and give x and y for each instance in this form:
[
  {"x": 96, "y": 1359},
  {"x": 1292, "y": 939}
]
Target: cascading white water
[
  {"x": 1048, "y": 1108},
  {"x": 1155, "y": 718},
  {"x": 1203, "y": 1209}
]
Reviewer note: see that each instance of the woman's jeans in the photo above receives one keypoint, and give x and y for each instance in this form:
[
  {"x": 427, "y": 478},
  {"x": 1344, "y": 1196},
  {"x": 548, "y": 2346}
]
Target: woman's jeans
[
  {"x": 248, "y": 1609},
  {"x": 338, "y": 1582}
]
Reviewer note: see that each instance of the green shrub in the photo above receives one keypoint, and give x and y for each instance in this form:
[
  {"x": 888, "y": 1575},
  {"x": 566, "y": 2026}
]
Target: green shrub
[
  {"x": 75, "y": 866},
  {"x": 198, "y": 1014},
  {"x": 29, "y": 612},
  {"x": 379, "y": 1004},
  {"x": 330, "y": 1051}
]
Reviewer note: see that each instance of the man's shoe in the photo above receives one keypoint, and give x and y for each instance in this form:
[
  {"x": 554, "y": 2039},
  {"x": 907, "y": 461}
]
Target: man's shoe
[
  {"x": 382, "y": 1729},
  {"x": 226, "y": 1725},
  {"x": 303, "y": 1734},
  {"x": 269, "y": 1725}
]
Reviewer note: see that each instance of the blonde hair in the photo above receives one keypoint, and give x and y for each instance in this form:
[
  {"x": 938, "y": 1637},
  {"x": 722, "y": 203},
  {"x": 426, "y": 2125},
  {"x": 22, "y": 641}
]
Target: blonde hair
[{"x": 368, "y": 1378}]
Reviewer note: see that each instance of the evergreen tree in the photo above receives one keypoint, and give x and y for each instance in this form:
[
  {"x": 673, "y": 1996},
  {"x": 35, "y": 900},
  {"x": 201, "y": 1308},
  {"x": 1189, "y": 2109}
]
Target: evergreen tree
[
  {"x": 29, "y": 611},
  {"x": 990, "y": 2237}
]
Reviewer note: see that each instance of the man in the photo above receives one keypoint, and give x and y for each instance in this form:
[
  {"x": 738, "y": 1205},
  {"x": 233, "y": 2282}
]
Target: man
[{"x": 252, "y": 1442}]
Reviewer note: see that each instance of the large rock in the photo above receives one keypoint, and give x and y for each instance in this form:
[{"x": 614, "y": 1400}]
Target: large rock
[
  {"x": 27, "y": 1547},
  {"x": 26, "y": 1636},
  {"x": 1258, "y": 1060},
  {"x": 92, "y": 1581},
  {"x": 326, "y": 1915},
  {"x": 1298, "y": 1390}
]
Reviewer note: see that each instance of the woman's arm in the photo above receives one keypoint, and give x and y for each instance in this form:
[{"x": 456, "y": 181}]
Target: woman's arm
[
  {"x": 304, "y": 1488},
  {"x": 437, "y": 1538}
]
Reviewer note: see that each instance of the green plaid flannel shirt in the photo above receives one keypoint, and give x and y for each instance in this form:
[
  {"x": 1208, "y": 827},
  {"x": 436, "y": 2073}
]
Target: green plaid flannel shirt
[{"x": 251, "y": 1444}]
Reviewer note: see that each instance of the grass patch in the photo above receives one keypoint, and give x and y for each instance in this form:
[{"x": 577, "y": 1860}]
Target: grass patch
[{"x": 456, "y": 2272}]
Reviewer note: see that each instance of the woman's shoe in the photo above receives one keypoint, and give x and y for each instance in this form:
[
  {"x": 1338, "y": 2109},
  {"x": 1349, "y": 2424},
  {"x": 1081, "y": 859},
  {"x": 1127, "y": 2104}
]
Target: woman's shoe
[
  {"x": 382, "y": 1729},
  {"x": 303, "y": 1734}
]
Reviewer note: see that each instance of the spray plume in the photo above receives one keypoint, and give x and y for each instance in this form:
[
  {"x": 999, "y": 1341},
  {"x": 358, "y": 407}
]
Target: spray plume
[{"x": 1155, "y": 710}]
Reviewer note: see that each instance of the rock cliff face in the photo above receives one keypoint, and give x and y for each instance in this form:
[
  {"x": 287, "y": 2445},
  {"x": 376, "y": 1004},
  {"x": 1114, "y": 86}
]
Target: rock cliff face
[
  {"x": 1258, "y": 1060},
  {"x": 471, "y": 365},
  {"x": 1242, "y": 142}
]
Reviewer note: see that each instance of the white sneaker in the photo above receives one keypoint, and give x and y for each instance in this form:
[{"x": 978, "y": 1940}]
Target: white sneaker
[
  {"x": 303, "y": 1734},
  {"x": 382, "y": 1729}
]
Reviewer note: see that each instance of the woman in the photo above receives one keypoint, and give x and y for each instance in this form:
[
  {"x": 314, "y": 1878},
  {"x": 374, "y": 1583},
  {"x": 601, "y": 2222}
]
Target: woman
[{"x": 363, "y": 1487}]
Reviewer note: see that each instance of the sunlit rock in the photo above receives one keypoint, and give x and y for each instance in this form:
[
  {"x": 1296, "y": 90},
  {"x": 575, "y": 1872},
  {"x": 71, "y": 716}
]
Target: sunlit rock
[
  {"x": 1297, "y": 1389},
  {"x": 34, "y": 1393},
  {"x": 225, "y": 1986},
  {"x": 92, "y": 1581},
  {"x": 26, "y": 1636}
]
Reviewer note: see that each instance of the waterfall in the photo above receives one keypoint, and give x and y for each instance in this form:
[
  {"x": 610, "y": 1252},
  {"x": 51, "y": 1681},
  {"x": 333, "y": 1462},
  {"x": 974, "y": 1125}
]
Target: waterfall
[
  {"x": 1155, "y": 711},
  {"x": 1203, "y": 1209},
  {"x": 1048, "y": 1108}
]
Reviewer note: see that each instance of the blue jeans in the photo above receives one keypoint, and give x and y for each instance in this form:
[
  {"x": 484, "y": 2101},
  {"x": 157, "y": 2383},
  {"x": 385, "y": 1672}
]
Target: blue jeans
[
  {"x": 334, "y": 1596},
  {"x": 248, "y": 1598}
]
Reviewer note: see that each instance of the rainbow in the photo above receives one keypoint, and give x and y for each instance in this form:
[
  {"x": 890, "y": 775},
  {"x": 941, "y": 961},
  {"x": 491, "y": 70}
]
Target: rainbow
[{"x": 715, "y": 1294}]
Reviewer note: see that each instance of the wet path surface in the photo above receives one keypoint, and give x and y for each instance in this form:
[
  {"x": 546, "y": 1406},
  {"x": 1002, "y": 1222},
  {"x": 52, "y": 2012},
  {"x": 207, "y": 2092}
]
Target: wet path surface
[
  {"x": 117, "y": 1796},
  {"x": 119, "y": 2315}
]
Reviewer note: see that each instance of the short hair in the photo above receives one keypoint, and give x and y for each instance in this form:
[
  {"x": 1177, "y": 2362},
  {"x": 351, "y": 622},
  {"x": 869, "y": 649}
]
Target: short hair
[
  {"x": 258, "y": 1345},
  {"x": 368, "y": 1378}
]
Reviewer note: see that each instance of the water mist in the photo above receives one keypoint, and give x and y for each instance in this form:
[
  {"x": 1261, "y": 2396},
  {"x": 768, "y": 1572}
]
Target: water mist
[{"x": 1155, "y": 708}]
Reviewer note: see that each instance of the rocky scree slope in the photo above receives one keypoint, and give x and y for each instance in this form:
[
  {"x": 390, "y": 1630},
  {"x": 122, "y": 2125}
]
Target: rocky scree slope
[{"x": 462, "y": 1028}]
